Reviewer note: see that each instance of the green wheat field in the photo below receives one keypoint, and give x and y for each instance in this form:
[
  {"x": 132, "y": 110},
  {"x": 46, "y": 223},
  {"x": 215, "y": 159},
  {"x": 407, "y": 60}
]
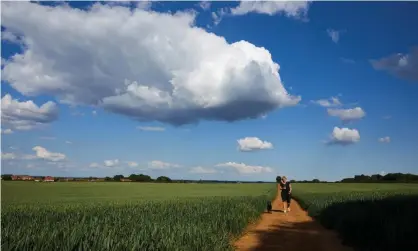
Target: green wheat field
[{"x": 147, "y": 216}]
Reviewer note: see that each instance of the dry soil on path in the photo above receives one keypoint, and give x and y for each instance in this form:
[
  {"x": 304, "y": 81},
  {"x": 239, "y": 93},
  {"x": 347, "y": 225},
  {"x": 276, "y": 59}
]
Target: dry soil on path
[{"x": 294, "y": 231}]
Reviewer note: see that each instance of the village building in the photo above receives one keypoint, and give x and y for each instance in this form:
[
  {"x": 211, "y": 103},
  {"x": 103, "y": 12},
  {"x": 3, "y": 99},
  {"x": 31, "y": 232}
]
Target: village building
[{"x": 49, "y": 179}]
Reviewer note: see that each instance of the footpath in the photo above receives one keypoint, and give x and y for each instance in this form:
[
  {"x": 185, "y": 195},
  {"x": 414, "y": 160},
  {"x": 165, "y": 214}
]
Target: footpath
[{"x": 293, "y": 231}]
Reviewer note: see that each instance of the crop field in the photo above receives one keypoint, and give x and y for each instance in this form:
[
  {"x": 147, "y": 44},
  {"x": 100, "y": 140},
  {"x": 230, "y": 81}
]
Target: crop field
[
  {"x": 146, "y": 216},
  {"x": 366, "y": 216},
  {"x": 127, "y": 216}
]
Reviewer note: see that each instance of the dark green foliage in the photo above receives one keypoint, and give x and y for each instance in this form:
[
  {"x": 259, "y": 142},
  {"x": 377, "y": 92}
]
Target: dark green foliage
[
  {"x": 118, "y": 177},
  {"x": 6, "y": 177},
  {"x": 140, "y": 178},
  {"x": 388, "y": 178},
  {"x": 366, "y": 220},
  {"x": 386, "y": 224},
  {"x": 163, "y": 179}
]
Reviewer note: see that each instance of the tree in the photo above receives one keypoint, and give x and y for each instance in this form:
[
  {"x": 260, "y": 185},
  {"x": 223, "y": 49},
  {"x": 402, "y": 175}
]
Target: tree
[
  {"x": 118, "y": 177},
  {"x": 163, "y": 179},
  {"x": 6, "y": 177},
  {"x": 140, "y": 178},
  {"x": 278, "y": 179},
  {"x": 108, "y": 178}
]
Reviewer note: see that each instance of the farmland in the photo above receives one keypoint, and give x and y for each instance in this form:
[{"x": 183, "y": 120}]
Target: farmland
[
  {"x": 366, "y": 216},
  {"x": 147, "y": 216},
  {"x": 127, "y": 216}
]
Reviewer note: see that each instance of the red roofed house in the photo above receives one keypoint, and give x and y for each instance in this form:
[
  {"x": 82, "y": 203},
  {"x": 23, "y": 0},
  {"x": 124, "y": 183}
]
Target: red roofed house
[{"x": 49, "y": 179}]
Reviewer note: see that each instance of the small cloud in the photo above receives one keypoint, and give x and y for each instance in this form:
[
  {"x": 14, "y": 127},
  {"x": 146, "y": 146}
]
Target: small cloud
[
  {"x": 151, "y": 128},
  {"x": 218, "y": 15},
  {"x": 297, "y": 9},
  {"x": 387, "y": 117},
  {"x": 246, "y": 169},
  {"x": 94, "y": 165},
  {"x": 68, "y": 142},
  {"x": 94, "y": 112},
  {"x": 26, "y": 115},
  {"x": 347, "y": 115},
  {"x": 7, "y": 156},
  {"x": 401, "y": 65},
  {"x": 263, "y": 116},
  {"x": 334, "y": 35},
  {"x": 157, "y": 164},
  {"x": 205, "y": 5},
  {"x": 6, "y": 131},
  {"x": 203, "y": 170},
  {"x": 42, "y": 153},
  {"x": 384, "y": 139},
  {"x": 131, "y": 163},
  {"x": 331, "y": 102},
  {"x": 249, "y": 144},
  {"x": 111, "y": 163},
  {"x": 344, "y": 136}
]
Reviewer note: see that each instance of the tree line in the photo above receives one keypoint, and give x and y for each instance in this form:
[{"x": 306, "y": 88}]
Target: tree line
[
  {"x": 375, "y": 178},
  {"x": 378, "y": 178},
  {"x": 138, "y": 178}
]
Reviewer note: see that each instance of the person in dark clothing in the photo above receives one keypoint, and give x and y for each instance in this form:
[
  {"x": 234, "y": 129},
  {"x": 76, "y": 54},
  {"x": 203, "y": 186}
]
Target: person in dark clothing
[{"x": 286, "y": 193}]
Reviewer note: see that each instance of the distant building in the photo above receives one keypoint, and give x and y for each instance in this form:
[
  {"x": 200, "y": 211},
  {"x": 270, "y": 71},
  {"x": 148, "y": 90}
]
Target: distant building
[
  {"x": 21, "y": 177},
  {"x": 49, "y": 179},
  {"x": 125, "y": 180}
]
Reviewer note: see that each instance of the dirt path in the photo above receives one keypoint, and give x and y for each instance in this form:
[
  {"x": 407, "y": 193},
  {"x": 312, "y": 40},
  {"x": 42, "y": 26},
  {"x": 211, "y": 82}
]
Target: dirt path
[{"x": 294, "y": 231}]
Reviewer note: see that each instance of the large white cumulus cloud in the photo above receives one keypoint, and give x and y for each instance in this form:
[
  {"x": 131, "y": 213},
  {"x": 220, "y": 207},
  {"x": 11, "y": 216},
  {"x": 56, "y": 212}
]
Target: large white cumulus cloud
[{"x": 146, "y": 65}]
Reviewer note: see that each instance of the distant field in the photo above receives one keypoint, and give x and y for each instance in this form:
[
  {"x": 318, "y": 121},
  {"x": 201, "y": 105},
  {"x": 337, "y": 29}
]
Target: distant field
[
  {"x": 89, "y": 192},
  {"x": 128, "y": 216}
]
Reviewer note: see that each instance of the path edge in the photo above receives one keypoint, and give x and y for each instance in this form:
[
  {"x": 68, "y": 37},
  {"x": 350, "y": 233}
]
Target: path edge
[{"x": 252, "y": 225}]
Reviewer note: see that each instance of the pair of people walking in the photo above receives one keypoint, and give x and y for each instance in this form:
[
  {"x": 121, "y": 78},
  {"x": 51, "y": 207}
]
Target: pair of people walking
[{"x": 286, "y": 193}]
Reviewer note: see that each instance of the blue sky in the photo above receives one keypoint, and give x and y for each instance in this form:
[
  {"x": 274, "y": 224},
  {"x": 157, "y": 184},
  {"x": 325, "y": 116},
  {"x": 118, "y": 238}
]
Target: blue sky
[{"x": 350, "y": 71}]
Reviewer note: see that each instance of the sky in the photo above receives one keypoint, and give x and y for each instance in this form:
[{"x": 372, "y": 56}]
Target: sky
[{"x": 209, "y": 90}]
